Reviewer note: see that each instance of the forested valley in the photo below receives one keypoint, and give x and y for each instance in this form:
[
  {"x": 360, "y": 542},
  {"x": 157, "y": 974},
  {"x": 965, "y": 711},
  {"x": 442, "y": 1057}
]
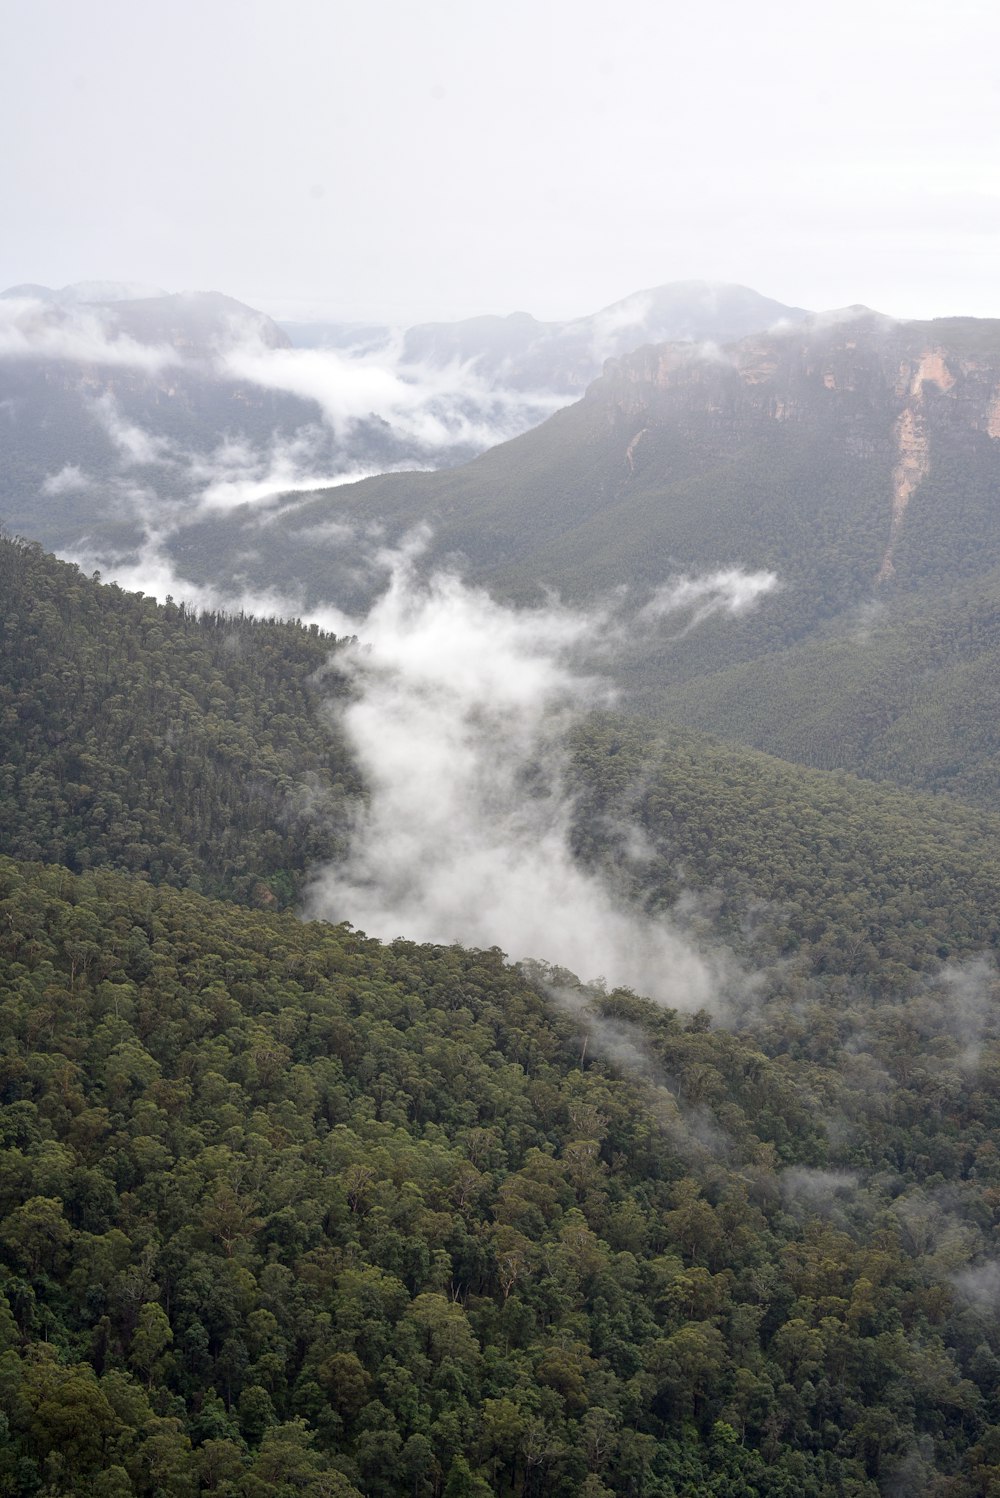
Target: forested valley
[{"x": 287, "y": 1210}]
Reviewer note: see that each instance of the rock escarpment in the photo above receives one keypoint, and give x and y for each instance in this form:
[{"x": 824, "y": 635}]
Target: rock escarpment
[{"x": 890, "y": 392}]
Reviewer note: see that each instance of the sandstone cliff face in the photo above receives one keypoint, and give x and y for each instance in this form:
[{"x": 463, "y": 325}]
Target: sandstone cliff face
[
  {"x": 912, "y": 439},
  {"x": 889, "y": 391}
]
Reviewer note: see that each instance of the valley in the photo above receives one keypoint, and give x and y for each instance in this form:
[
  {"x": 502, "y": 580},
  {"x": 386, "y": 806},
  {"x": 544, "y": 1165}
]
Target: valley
[{"x": 497, "y": 971}]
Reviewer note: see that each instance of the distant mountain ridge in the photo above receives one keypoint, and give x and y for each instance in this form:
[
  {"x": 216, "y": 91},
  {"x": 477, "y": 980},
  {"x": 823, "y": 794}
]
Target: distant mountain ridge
[
  {"x": 189, "y": 375},
  {"x": 855, "y": 457},
  {"x": 109, "y": 400},
  {"x": 195, "y": 324},
  {"x": 519, "y": 352},
  {"x": 887, "y": 410},
  {"x": 85, "y": 291}
]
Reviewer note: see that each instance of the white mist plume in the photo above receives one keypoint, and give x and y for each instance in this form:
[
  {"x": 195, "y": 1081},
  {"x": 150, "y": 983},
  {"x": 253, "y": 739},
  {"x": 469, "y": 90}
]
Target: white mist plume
[
  {"x": 969, "y": 993},
  {"x": 152, "y": 572},
  {"x": 979, "y": 1286},
  {"x": 728, "y": 591},
  {"x": 188, "y": 485},
  {"x": 461, "y": 706},
  {"x": 135, "y": 446},
  {"x": 69, "y": 479},
  {"x": 239, "y": 473},
  {"x": 436, "y": 407},
  {"x": 809, "y": 1191},
  {"x": 34, "y": 329}
]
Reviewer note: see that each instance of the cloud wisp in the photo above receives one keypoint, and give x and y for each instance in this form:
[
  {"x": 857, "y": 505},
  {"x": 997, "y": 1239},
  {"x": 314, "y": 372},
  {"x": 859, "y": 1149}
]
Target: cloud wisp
[
  {"x": 434, "y": 408},
  {"x": 730, "y": 590},
  {"x": 287, "y": 420},
  {"x": 458, "y": 718},
  {"x": 31, "y": 329}
]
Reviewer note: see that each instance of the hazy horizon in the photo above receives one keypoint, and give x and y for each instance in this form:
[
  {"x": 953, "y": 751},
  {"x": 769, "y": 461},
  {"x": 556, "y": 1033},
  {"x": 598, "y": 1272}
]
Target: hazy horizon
[{"x": 397, "y": 164}]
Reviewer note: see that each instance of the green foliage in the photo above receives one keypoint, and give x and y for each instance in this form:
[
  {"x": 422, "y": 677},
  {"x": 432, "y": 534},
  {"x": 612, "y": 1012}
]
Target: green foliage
[
  {"x": 907, "y": 690},
  {"x": 860, "y": 880},
  {"x": 146, "y": 737},
  {"x": 286, "y": 1210}
]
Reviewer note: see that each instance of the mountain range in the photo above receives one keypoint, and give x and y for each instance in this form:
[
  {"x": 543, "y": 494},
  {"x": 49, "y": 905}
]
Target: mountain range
[
  {"x": 288, "y": 1209},
  {"x": 220, "y": 395},
  {"x": 519, "y": 352},
  {"x": 854, "y": 457}
]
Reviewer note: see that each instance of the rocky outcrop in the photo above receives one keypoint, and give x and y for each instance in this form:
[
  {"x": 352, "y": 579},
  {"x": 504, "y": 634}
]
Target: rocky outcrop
[
  {"x": 912, "y": 442},
  {"x": 888, "y": 390}
]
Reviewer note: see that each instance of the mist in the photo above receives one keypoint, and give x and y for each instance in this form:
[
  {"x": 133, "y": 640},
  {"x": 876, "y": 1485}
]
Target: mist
[
  {"x": 32, "y": 329},
  {"x": 284, "y": 421},
  {"x": 434, "y": 408},
  {"x": 458, "y": 719}
]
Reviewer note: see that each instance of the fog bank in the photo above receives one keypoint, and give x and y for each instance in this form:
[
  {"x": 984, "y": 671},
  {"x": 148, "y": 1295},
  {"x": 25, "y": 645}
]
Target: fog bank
[{"x": 459, "y": 716}]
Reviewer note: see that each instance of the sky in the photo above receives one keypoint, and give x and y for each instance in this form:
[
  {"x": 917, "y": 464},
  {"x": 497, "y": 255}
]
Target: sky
[{"x": 401, "y": 161}]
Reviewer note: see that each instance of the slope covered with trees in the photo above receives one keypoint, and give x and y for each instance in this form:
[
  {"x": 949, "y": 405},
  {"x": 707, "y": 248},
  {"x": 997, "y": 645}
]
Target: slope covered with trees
[
  {"x": 904, "y": 689},
  {"x": 858, "y": 879},
  {"x": 284, "y": 1210},
  {"x": 186, "y": 746},
  {"x": 857, "y": 459}
]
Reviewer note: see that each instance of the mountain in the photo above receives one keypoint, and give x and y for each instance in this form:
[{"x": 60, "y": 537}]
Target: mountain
[
  {"x": 517, "y": 352},
  {"x": 127, "y": 411},
  {"x": 202, "y": 750},
  {"x": 148, "y": 737},
  {"x": 118, "y": 413},
  {"x": 854, "y": 457},
  {"x": 194, "y": 324},
  {"x": 906, "y": 690},
  {"x": 779, "y": 451},
  {"x": 352, "y": 337},
  {"x": 84, "y": 291},
  {"x": 283, "y": 1208},
  {"x": 198, "y": 324}
]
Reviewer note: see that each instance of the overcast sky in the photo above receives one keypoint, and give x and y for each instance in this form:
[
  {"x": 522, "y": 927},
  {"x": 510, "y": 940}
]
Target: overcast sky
[{"x": 404, "y": 159}]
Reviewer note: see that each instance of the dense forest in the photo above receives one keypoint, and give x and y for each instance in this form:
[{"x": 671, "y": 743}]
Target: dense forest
[
  {"x": 903, "y": 689},
  {"x": 284, "y": 1210},
  {"x": 184, "y": 745}
]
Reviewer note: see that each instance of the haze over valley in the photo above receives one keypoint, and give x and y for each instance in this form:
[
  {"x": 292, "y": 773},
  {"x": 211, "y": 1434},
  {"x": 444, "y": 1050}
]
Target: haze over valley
[{"x": 499, "y": 765}]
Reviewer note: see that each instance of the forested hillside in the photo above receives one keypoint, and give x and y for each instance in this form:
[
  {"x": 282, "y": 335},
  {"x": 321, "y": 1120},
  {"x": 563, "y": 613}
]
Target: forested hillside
[
  {"x": 859, "y": 880},
  {"x": 284, "y": 1210},
  {"x": 907, "y": 690},
  {"x": 857, "y": 459},
  {"x": 186, "y": 746}
]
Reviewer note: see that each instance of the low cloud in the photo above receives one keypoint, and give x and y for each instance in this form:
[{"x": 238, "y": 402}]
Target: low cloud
[
  {"x": 979, "y": 1286},
  {"x": 31, "y": 329},
  {"x": 70, "y": 479},
  {"x": 605, "y": 328},
  {"x": 435, "y": 408},
  {"x": 969, "y": 991},
  {"x": 728, "y": 591},
  {"x": 239, "y": 473},
  {"x": 459, "y": 715},
  {"x": 135, "y": 446},
  {"x": 150, "y": 570},
  {"x": 812, "y": 1192}
]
